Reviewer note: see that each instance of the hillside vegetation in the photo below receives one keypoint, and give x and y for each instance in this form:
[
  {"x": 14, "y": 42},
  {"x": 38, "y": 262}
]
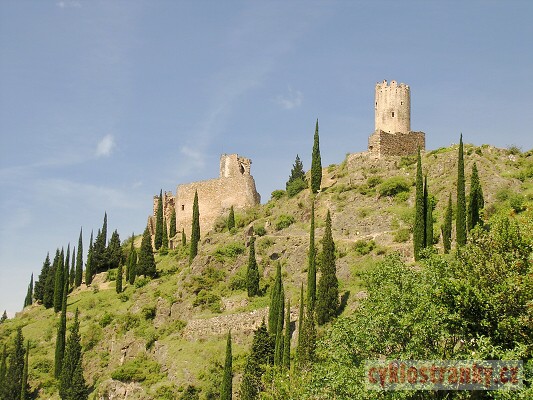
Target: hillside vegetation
[{"x": 161, "y": 337}]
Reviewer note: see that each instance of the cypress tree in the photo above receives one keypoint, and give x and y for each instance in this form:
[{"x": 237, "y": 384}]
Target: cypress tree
[
  {"x": 429, "y": 218},
  {"x": 132, "y": 262},
  {"x": 89, "y": 265},
  {"x": 307, "y": 342},
  {"x": 59, "y": 282},
  {"x": 226, "y": 391},
  {"x": 420, "y": 217},
  {"x": 231, "y": 219},
  {"x": 3, "y": 369},
  {"x": 71, "y": 383},
  {"x": 195, "y": 231},
  {"x": 104, "y": 229},
  {"x": 286, "y": 360},
  {"x": 79, "y": 261},
  {"x": 114, "y": 251},
  {"x": 300, "y": 315},
  {"x": 446, "y": 227},
  {"x": 15, "y": 371},
  {"x": 24, "y": 388},
  {"x": 49, "y": 286},
  {"x": 327, "y": 301},
  {"x": 252, "y": 273},
  {"x": 278, "y": 348},
  {"x": 146, "y": 263},
  {"x": 61, "y": 331},
  {"x": 424, "y": 245},
  {"x": 460, "y": 217},
  {"x": 158, "y": 239},
  {"x": 3, "y": 317},
  {"x": 41, "y": 282},
  {"x": 72, "y": 274},
  {"x": 164, "y": 243},
  {"x": 118, "y": 285},
  {"x": 316, "y": 163},
  {"x": 67, "y": 264},
  {"x": 183, "y": 238},
  {"x": 99, "y": 257},
  {"x": 172, "y": 229},
  {"x": 311, "y": 262},
  {"x": 475, "y": 200},
  {"x": 273, "y": 311},
  {"x": 29, "y": 295}
]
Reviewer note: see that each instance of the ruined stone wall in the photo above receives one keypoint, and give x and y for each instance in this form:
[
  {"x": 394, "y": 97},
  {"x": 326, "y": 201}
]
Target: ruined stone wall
[
  {"x": 396, "y": 144},
  {"x": 392, "y": 107}
]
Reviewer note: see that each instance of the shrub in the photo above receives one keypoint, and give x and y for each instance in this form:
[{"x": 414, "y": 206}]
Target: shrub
[
  {"x": 364, "y": 247},
  {"x": 128, "y": 321},
  {"x": 393, "y": 186},
  {"x": 260, "y": 230},
  {"x": 373, "y": 181},
  {"x": 106, "y": 319},
  {"x": 111, "y": 275},
  {"x": 142, "y": 281},
  {"x": 402, "y": 235},
  {"x": 148, "y": 312},
  {"x": 92, "y": 337},
  {"x": 284, "y": 221},
  {"x": 514, "y": 150},
  {"x": 207, "y": 299},
  {"x": 140, "y": 369},
  {"x": 401, "y": 197},
  {"x": 277, "y": 194},
  {"x": 406, "y": 161},
  {"x": 517, "y": 203},
  {"x": 296, "y": 186},
  {"x": 238, "y": 281},
  {"x": 503, "y": 194},
  {"x": 231, "y": 250},
  {"x": 208, "y": 279}
]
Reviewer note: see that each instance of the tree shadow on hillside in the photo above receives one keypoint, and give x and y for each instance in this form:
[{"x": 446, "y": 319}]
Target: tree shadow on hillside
[{"x": 344, "y": 301}]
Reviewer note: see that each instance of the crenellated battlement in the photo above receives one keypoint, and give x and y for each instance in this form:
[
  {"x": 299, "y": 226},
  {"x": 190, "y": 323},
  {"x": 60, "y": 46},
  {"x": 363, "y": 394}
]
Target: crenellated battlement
[{"x": 393, "y": 85}]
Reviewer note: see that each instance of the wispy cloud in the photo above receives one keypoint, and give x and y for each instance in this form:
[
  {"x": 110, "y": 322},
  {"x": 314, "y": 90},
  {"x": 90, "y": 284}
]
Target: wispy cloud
[
  {"x": 68, "y": 4},
  {"x": 290, "y": 100},
  {"x": 105, "y": 146}
]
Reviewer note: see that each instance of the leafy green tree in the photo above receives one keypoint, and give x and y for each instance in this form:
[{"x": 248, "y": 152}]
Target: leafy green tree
[
  {"x": 61, "y": 329},
  {"x": 286, "y": 359},
  {"x": 40, "y": 284},
  {"x": 71, "y": 382},
  {"x": 79, "y": 261},
  {"x": 231, "y": 219},
  {"x": 172, "y": 229},
  {"x": 273, "y": 311},
  {"x": 146, "y": 263},
  {"x": 72, "y": 274},
  {"x": 296, "y": 182},
  {"x": 278, "y": 347},
  {"x": 316, "y": 163},
  {"x": 195, "y": 231},
  {"x": 114, "y": 251},
  {"x": 29, "y": 295},
  {"x": 446, "y": 227},
  {"x": 15, "y": 371},
  {"x": 252, "y": 272},
  {"x": 475, "y": 200},
  {"x": 429, "y": 216},
  {"x": 311, "y": 261},
  {"x": 89, "y": 272},
  {"x": 183, "y": 238},
  {"x": 3, "y": 368},
  {"x": 460, "y": 217},
  {"x": 118, "y": 285},
  {"x": 24, "y": 388},
  {"x": 59, "y": 281},
  {"x": 226, "y": 391},
  {"x": 261, "y": 354},
  {"x": 328, "y": 286},
  {"x": 132, "y": 262},
  {"x": 158, "y": 239},
  {"x": 420, "y": 218}
]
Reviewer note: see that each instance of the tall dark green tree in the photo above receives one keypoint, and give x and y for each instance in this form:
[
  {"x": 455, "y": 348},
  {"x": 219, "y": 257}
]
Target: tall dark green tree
[
  {"x": 24, "y": 388},
  {"x": 61, "y": 329},
  {"x": 252, "y": 272},
  {"x": 49, "y": 286},
  {"x": 429, "y": 216},
  {"x": 100, "y": 257},
  {"x": 195, "y": 231},
  {"x": 15, "y": 371},
  {"x": 316, "y": 163},
  {"x": 38, "y": 293},
  {"x": 300, "y": 315},
  {"x": 446, "y": 227},
  {"x": 183, "y": 238},
  {"x": 29, "y": 295},
  {"x": 172, "y": 229},
  {"x": 118, "y": 285},
  {"x": 419, "y": 234},
  {"x": 89, "y": 272},
  {"x": 278, "y": 346},
  {"x": 3, "y": 368},
  {"x": 475, "y": 200},
  {"x": 59, "y": 281},
  {"x": 311, "y": 261},
  {"x": 3, "y": 317},
  {"x": 164, "y": 243},
  {"x": 79, "y": 261},
  {"x": 158, "y": 238},
  {"x": 286, "y": 359},
  {"x": 327, "y": 301},
  {"x": 71, "y": 382},
  {"x": 273, "y": 312},
  {"x": 307, "y": 341},
  {"x": 146, "y": 263},
  {"x": 230, "y": 223},
  {"x": 226, "y": 391},
  {"x": 297, "y": 171},
  {"x": 72, "y": 274},
  {"x": 132, "y": 262},
  {"x": 67, "y": 263},
  {"x": 261, "y": 354},
  {"x": 114, "y": 251},
  {"x": 460, "y": 216}
]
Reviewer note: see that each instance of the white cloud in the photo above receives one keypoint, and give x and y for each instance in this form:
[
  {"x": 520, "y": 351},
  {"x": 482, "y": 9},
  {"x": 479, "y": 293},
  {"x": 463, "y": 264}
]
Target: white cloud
[
  {"x": 290, "y": 100},
  {"x": 105, "y": 146},
  {"x": 68, "y": 4}
]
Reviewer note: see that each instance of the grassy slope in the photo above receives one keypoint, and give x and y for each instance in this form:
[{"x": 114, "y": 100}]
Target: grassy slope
[{"x": 145, "y": 326}]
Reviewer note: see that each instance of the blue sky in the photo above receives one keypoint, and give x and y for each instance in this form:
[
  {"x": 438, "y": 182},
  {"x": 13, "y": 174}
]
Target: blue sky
[{"x": 103, "y": 103}]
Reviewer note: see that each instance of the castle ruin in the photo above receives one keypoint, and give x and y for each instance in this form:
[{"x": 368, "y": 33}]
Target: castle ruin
[
  {"x": 235, "y": 187},
  {"x": 393, "y": 135}
]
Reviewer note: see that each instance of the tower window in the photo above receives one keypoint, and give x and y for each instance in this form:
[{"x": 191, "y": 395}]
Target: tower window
[
  {"x": 393, "y": 114},
  {"x": 401, "y": 103},
  {"x": 182, "y": 207}
]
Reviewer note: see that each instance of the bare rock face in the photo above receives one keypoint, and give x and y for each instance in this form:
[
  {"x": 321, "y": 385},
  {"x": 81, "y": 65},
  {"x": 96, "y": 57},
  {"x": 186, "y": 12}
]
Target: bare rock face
[
  {"x": 116, "y": 390},
  {"x": 162, "y": 312}
]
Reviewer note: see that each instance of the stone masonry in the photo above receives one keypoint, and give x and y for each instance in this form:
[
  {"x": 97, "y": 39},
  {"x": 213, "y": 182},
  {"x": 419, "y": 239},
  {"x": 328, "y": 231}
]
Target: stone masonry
[
  {"x": 235, "y": 187},
  {"x": 393, "y": 135}
]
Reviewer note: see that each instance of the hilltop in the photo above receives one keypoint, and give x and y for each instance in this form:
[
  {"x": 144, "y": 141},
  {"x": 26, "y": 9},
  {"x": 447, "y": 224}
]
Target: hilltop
[{"x": 169, "y": 332}]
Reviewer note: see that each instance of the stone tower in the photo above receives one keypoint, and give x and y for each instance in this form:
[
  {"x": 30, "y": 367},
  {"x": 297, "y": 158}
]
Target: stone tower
[{"x": 393, "y": 135}]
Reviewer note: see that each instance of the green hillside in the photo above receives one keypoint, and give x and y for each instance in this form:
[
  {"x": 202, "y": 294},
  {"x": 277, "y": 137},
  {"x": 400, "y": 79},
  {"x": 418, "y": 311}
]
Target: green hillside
[{"x": 161, "y": 337}]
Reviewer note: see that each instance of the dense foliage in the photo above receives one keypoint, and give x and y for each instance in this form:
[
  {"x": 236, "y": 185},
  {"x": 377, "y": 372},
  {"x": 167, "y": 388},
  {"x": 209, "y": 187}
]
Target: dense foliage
[{"x": 316, "y": 163}]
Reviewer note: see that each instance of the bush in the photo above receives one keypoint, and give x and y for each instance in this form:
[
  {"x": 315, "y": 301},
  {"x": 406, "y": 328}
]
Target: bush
[
  {"x": 128, "y": 321},
  {"x": 406, "y": 161},
  {"x": 373, "y": 181},
  {"x": 277, "y": 194},
  {"x": 238, "y": 281},
  {"x": 148, "y": 312},
  {"x": 402, "y": 235},
  {"x": 401, "y": 197},
  {"x": 296, "y": 186},
  {"x": 284, "y": 221},
  {"x": 106, "y": 319},
  {"x": 393, "y": 186},
  {"x": 208, "y": 279},
  {"x": 207, "y": 299},
  {"x": 111, "y": 275},
  {"x": 364, "y": 247},
  {"x": 140, "y": 369},
  {"x": 142, "y": 281},
  {"x": 260, "y": 230},
  {"x": 231, "y": 250},
  {"x": 517, "y": 203}
]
